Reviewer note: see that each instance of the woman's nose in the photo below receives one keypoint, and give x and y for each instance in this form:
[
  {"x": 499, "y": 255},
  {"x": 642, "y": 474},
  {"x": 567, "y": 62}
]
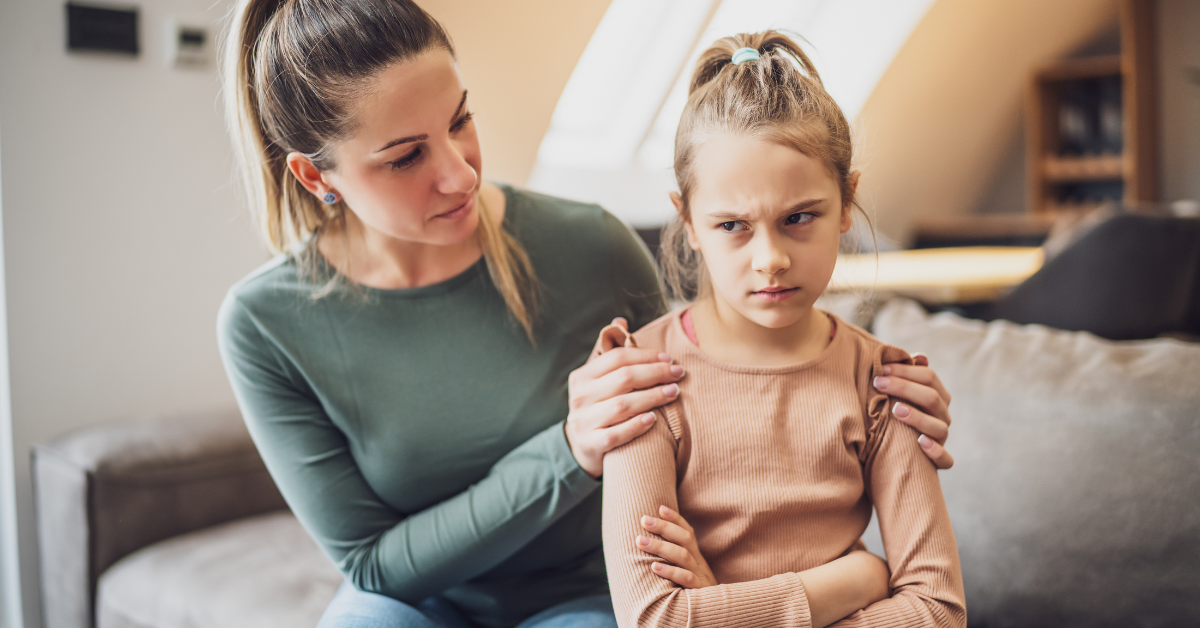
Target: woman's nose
[
  {"x": 769, "y": 257},
  {"x": 456, "y": 176}
]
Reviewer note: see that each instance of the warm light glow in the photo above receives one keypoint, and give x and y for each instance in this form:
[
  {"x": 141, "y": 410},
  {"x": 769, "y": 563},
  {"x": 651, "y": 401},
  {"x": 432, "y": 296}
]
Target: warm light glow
[{"x": 945, "y": 275}]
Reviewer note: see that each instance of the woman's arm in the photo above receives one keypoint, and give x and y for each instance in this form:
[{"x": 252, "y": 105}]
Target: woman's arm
[{"x": 408, "y": 556}]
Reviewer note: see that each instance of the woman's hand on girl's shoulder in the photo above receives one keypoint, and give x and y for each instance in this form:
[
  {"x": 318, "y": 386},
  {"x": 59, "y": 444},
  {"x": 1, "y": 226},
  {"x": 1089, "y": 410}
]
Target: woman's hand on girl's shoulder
[
  {"x": 685, "y": 565},
  {"x": 611, "y": 398},
  {"x": 928, "y": 407}
]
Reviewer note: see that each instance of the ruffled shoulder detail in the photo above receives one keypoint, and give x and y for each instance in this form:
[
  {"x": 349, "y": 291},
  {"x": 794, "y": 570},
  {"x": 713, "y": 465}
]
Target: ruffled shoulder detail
[{"x": 878, "y": 404}]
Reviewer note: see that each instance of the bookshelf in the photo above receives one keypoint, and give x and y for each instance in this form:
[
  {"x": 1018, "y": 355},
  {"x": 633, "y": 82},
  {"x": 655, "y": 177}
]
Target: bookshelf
[{"x": 1091, "y": 129}]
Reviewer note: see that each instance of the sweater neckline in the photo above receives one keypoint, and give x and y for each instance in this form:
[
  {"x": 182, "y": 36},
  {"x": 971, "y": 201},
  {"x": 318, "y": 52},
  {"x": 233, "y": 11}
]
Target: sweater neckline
[{"x": 679, "y": 339}]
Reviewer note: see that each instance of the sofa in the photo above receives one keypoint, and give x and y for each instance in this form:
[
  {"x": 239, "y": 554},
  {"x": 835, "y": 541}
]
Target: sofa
[{"x": 1075, "y": 498}]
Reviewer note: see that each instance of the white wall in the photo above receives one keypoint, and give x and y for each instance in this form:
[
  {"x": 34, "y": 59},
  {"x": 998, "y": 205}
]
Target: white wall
[{"x": 121, "y": 234}]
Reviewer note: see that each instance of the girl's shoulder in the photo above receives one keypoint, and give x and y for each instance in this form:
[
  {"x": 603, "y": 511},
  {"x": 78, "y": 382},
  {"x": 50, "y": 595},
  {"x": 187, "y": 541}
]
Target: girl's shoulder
[{"x": 655, "y": 335}]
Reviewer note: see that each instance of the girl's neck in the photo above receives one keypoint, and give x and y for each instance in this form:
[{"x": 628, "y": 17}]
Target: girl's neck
[
  {"x": 373, "y": 259},
  {"x": 730, "y": 337}
]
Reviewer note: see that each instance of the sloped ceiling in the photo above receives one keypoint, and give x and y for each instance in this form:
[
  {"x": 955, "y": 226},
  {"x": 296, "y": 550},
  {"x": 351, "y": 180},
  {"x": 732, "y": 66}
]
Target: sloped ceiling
[
  {"x": 515, "y": 58},
  {"x": 945, "y": 114}
]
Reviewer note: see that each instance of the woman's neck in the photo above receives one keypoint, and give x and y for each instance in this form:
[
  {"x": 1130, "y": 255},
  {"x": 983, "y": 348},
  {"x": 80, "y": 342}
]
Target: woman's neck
[
  {"x": 373, "y": 259},
  {"x": 729, "y": 336}
]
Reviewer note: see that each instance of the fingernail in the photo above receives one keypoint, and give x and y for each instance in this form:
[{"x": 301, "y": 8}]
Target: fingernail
[
  {"x": 882, "y": 382},
  {"x": 677, "y": 370},
  {"x": 887, "y": 369},
  {"x": 663, "y": 357},
  {"x": 657, "y": 567},
  {"x": 648, "y": 418},
  {"x": 649, "y": 521},
  {"x": 643, "y": 541},
  {"x": 924, "y": 441},
  {"x": 670, "y": 390},
  {"x": 900, "y": 410}
]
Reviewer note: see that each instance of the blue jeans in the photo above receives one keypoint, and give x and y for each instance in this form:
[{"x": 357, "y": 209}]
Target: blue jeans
[{"x": 352, "y": 608}]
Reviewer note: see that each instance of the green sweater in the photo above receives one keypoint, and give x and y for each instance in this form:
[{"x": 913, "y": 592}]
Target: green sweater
[{"x": 418, "y": 435}]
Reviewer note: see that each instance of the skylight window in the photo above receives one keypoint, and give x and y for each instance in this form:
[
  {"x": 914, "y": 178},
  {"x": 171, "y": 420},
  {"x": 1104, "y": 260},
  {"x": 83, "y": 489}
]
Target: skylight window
[{"x": 611, "y": 139}]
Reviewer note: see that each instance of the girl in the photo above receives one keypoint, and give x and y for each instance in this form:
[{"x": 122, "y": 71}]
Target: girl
[
  {"x": 408, "y": 363},
  {"x": 770, "y": 461}
]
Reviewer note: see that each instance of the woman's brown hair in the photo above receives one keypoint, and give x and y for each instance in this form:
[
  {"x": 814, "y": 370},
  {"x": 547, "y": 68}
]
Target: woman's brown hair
[
  {"x": 293, "y": 71},
  {"x": 779, "y": 98}
]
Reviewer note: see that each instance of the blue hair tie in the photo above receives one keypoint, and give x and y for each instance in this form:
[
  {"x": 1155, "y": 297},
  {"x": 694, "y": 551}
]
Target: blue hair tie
[{"x": 745, "y": 54}]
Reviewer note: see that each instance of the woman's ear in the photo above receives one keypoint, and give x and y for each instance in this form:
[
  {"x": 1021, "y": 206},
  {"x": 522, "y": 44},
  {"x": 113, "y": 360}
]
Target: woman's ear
[
  {"x": 677, "y": 201},
  {"x": 848, "y": 206},
  {"x": 308, "y": 175}
]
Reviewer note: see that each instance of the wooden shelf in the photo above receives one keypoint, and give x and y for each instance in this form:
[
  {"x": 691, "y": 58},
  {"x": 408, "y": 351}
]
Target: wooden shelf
[
  {"x": 1059, "y": 182},
  {"x": 1095, "y": 168},
  {"x": 1081, "y": 68}
]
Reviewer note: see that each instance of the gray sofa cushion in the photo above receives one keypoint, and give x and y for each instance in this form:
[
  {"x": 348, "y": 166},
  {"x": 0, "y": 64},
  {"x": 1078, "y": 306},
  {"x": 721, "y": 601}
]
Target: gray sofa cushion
[
  {"x": 1076, "y": 493},
  {"x": 260, "y": 572}
]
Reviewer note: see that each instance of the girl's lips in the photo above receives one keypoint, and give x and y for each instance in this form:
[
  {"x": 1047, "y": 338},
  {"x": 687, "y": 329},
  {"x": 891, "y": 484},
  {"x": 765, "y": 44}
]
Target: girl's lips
[
  {"x": 775, "y": 294},
  {"x": 460, "y": 211}
]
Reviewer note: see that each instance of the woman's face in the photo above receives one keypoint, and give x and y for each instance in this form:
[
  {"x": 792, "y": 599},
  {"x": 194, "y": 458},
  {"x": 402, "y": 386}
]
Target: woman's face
[
  {"x": 767, "y": 219},
  {"x": 411, "y": 170}
]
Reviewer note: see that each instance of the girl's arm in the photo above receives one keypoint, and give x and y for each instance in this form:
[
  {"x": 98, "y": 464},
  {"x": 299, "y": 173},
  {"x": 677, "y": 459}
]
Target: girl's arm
[
  {"x": 834, "y": 589},
  {"x": 639, "y": 477},
  {"x": 926, "y": 579}
]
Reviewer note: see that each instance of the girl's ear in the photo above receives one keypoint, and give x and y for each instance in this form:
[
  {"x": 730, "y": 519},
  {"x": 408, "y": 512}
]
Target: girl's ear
[
  {"x": 677, "y": 201},
  {"x": 848, "y": 208}
]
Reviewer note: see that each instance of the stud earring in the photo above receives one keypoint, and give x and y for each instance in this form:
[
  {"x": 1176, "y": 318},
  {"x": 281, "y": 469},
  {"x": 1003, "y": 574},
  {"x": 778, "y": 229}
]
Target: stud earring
[{"x": 330, "y": 198}]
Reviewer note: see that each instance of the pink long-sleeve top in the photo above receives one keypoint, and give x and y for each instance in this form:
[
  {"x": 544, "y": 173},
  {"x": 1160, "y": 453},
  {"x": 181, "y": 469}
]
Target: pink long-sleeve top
[{"x": 777, "y": 469}]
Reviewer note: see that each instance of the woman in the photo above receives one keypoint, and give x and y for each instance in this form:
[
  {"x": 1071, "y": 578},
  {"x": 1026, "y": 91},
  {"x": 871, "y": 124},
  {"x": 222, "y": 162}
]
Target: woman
[{"x": 403, "y": 363}]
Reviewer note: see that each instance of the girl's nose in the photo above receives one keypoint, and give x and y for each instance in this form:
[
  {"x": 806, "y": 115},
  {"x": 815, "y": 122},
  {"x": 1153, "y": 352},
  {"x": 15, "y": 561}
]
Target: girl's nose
[
  {"x": 769, "y": 257},
  {"x": 456, "y": 176}
]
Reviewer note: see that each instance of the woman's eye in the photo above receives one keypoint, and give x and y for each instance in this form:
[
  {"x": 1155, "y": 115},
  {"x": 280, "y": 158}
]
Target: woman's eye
[
  {"x": 461, "y": 122},
  {"x": 800, "y": 218},
  {"x": 732, "y": 225},
  {"x": 406, "y": 160}
]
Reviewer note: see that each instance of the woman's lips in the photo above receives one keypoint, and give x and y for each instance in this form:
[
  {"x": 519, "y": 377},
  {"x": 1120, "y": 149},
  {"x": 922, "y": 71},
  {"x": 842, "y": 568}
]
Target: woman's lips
[
  {"x": 460, "y": 211},
  {"x": 774, "y": 294}
]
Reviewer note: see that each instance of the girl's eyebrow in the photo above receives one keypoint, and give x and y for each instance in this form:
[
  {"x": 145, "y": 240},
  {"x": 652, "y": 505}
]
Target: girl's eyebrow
[
  {"x": 425, "y": 136},
  {"x": 798, "y": 207}
]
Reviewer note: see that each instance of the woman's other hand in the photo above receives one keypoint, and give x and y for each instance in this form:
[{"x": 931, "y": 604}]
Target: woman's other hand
[
  {"x": 928, "y": 407},
  {"x": 685, "y": 565},
  {"x": 611, "y": 398}
]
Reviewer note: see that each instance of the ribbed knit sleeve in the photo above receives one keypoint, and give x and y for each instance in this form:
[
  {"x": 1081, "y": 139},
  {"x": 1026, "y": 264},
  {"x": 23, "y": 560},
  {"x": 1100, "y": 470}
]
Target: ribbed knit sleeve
[
  {"x": 926, "y": 579},
  {"x": 638, "y": 478}
]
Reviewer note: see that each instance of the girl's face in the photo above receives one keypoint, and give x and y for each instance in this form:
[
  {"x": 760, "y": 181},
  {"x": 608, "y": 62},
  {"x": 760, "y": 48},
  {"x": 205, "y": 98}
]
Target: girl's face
[
  {"x": 411, "y": 170},
  {"x": 767, "y": 219}
]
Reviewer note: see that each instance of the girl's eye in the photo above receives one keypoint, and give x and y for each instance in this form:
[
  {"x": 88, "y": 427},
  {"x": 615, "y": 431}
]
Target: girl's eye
[
  {"x": 461, "y": 122},
  {"x": 731, "y": 226},
  {"x": 406, "y": 160},
  {"x": 799, "y": 218}
]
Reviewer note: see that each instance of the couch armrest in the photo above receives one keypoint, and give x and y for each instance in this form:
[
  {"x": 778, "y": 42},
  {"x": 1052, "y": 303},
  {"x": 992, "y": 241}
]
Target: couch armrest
[{"x": 107, "y": 491}]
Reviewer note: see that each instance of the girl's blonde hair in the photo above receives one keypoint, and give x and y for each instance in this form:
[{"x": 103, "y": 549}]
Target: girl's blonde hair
[
  {"x": 293, "y": 71},
  {"x": 778, "y": 97}
]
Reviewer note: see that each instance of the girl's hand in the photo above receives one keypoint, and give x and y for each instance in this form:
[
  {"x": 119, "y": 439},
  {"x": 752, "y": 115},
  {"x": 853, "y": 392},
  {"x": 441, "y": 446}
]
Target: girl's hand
[
  {"x": 928, "y": 410},
  {"x": 678, "y": 547},
  {"x": 611, "y": 398}
]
